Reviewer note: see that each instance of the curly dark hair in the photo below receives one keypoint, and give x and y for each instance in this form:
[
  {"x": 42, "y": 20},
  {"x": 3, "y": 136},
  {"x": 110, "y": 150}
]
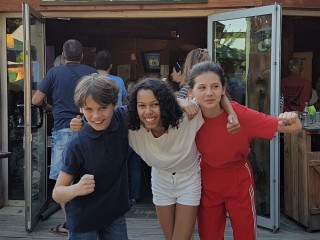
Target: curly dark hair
[{"x": 171, "y": 113}]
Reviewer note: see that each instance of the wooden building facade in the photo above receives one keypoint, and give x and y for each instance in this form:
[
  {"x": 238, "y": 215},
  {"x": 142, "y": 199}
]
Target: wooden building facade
[{"x": 169, "y": 29}]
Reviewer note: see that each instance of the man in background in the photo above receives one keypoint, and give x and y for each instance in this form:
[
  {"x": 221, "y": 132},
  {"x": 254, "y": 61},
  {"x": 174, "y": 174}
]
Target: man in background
[
  {"x": 59, "y": 84},
  {"x": 296, "y": 90},
  {"x": 103, "y": 63}
]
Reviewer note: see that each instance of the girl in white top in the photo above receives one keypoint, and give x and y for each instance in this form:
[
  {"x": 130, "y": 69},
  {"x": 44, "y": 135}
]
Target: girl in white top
[{"x": 165, "y": 139}]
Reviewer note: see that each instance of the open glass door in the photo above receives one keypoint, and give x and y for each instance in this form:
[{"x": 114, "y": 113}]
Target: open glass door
[
  {"x": 246, "y": 43},
  {"x": 34, "y": 129}
]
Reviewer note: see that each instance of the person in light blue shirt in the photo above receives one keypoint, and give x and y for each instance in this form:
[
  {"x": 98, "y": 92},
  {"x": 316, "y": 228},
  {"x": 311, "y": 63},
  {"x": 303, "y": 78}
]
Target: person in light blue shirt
[{"x": 103, "y": 63}]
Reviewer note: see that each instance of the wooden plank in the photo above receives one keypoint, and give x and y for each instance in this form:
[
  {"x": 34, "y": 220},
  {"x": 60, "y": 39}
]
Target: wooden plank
[
  {"x": 304, "y": 144},
  {"x": 142, "y": 228},
  {"x": 302, "y": 180},
  {"x": 286, "y": 168},
  {"x": 290, "y": 175},
  {"x": 314, "y": 190}
]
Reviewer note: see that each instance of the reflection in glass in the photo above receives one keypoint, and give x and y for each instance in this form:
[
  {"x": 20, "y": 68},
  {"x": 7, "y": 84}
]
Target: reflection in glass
[
  {"x": 16, "y": 78},
  {"x": 242, "y": 47},
  {"x": 15, "y": 96},
  {"x": 38, "y": 151}
]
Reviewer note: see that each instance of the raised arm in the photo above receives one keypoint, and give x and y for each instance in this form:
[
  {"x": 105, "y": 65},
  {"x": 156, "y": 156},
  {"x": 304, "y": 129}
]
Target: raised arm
[{"x": 233, "y": 124}]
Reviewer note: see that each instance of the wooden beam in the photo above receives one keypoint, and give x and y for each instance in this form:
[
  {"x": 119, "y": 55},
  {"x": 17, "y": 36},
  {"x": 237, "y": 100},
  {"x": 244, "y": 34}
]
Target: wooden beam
[{"x": 15, "y": 6}]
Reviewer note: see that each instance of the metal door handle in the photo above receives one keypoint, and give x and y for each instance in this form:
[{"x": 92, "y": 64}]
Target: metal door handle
[{"x": 38, "y": 121}]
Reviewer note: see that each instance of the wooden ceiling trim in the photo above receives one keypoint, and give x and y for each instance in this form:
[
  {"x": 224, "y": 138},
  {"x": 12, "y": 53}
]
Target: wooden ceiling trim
[
  {"x": 134, "y": 14},
  {"x": 15, "y": 6},
  {"x": 212, "y": 6}
]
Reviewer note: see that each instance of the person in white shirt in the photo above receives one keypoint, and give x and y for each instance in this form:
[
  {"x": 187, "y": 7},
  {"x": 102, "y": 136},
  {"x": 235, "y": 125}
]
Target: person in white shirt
[{"x": 165, "y": 139}]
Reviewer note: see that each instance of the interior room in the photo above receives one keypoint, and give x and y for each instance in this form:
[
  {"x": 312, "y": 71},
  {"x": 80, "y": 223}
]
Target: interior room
[
  {"x": 300, "y": 34},
  {"x": 300, "y": 174},
  {"x": 129, "y": 39}
]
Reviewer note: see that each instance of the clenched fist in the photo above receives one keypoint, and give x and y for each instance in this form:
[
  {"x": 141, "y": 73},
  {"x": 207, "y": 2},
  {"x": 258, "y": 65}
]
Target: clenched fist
[{"x": 86, "y": 185}]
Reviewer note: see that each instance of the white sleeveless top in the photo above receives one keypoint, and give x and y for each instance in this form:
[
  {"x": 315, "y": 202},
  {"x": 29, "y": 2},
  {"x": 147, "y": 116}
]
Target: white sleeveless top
[{"x": 174, "y": 151}]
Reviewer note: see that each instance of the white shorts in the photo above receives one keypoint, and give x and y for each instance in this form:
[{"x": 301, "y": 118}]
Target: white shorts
[{"x": 171, "y": 188}]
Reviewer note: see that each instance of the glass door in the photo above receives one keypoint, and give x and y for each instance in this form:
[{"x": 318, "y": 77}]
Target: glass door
[
  {"x": 246, "y": 44},
  {"x": 34, "y": 129},
  {"x": 15, "y": 96}
]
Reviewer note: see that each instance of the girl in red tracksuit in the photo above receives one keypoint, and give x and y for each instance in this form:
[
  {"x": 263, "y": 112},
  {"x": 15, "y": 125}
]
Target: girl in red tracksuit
[{"x": 227, "y": 178}]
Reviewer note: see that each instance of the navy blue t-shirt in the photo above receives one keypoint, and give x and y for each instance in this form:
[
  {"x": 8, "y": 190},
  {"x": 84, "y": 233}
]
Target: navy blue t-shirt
[
  {"x": 104, "y": 155},
  {"x": 59, "y": 84}
]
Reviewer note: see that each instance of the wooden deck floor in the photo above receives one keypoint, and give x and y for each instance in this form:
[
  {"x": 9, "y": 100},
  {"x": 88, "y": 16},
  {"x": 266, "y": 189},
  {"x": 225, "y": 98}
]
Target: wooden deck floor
[{"x": 142, "y": 225}]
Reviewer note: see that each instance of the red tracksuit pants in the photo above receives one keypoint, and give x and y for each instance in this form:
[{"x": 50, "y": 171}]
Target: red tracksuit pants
[{"x": 227, "y": 190}]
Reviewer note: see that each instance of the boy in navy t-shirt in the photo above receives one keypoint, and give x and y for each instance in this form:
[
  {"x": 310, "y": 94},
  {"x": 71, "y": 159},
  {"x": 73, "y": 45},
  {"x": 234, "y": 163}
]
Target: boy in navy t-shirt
[{"x": 93, "y": 179}]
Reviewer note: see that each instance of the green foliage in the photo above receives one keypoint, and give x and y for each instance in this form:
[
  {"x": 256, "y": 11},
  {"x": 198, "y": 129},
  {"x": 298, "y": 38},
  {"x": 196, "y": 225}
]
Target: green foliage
[
  {"x": 13, "y": 24},
  {"x": 20, "y": 57},
  {"x": 229, "y": 58}
]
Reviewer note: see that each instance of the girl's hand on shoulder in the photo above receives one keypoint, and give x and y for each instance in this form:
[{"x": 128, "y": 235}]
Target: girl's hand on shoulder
[
  {"x": 191, "y": 108},
  {"x": 76, "y": 124},
  {"x": 85, "y": 186},
  {"x": 233, "y": 125}
]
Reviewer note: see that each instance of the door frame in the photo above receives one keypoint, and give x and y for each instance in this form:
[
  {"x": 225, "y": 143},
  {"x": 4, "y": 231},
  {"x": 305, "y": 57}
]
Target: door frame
[
  {"x": 4, "y": 108},
  {"x": 32, "y": 212},
  {"x": 276, "y": 11}
]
